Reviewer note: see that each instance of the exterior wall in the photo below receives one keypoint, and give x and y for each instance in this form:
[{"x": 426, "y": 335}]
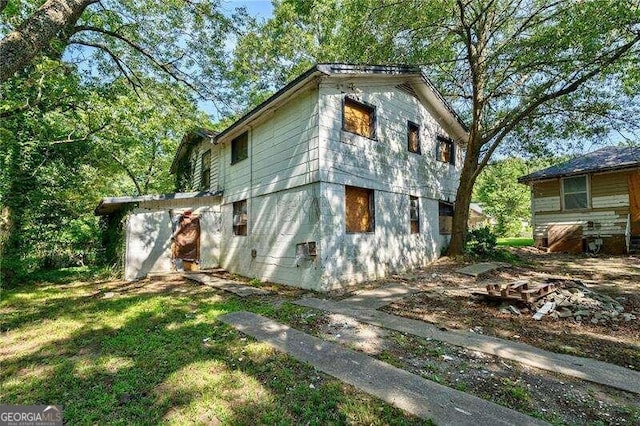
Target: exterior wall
[
  {"x": 279, "y": 180},
  {"x": 277, "y": 222},
  {"x": 195, "y": 160},
  {"x": 606, "y": 218},
  {"x": 351, "y": 258},
  {"x": 386, "y": 166},
  {"x": 149, "y": 234}
]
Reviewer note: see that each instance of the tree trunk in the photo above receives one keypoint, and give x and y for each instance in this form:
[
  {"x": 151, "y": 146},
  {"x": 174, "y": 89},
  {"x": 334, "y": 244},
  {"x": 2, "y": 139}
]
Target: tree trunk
[
  {"x": 33, "y": 36},
  {"x": 463, "y": 200}
]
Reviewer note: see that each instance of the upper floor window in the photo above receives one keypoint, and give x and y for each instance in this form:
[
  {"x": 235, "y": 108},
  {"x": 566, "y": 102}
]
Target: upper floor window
[
  {"x": 414, "y": 214},
  {"x": 205, "y": 170},
  {"x": 240, "y": 217},
  {"x": 359, "y": 118},
  {"x": 359, "y": 209},
  {"x": 445, "y": 150},
  {"x": 240, "y": 148},
  {"x": 413, "y": 138},
  {"x": 575, "y": 193}
]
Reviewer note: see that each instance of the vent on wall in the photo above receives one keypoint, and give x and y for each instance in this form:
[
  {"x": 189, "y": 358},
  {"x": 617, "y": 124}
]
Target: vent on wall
[{"x": 305, "y": 251}]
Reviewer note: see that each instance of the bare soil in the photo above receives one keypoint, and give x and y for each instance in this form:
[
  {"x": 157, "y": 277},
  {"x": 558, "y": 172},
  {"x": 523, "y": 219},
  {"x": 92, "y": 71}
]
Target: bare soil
[{"x": 446, "y": 299}]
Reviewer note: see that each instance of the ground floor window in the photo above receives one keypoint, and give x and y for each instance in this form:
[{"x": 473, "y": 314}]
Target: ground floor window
[
  {"x": 445, "y": 210},
  {"x": 240, "y": 217},
  {"x": 359, "y": 208},
  {"x": 414, "y": 214}
]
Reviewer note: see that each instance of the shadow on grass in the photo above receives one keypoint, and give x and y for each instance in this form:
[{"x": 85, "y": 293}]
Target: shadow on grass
[{"x": 145, "y": 357}]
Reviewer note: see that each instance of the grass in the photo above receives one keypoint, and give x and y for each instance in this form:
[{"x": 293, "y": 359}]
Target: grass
[
  {"x": 515, "y": 242},
  {"x": 131, "y": 353}
]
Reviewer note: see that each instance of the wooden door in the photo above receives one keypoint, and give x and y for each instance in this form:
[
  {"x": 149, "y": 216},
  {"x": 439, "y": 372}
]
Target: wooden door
[{"x": 634, "y": 202}]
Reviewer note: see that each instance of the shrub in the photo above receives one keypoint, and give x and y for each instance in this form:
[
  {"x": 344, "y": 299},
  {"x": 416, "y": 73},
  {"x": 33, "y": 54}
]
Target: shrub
[{"x": 481, "y": 242}]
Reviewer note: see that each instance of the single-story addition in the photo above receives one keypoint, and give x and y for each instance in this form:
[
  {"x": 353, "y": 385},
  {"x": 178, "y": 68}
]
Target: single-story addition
[
  {"x": 348, "y": 173},
  {"x": 588, "y": 204}
]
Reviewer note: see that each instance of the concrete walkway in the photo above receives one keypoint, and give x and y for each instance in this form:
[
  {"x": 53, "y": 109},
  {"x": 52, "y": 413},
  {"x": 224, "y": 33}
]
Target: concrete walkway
[
  {"x": 226, "y": 285},
  {"x": 379, "y": 297},
  {"x": 405, "y": 390},
  {"x": 582, "y": 368}
]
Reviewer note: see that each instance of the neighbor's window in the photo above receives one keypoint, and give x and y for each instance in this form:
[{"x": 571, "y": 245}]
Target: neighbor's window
[
  {"x": 240, "y": 217},
  {"x": 444, "y": 150},
  {"x": 446, "y": 217},
  {"x": 575, "y": 193},
  {"x": 414, "y": 214},
  {"x": 413, "y": 138},
  {"x": 359, "y": 118},
  {"x": 359, "y": 207},
  {"x": 240, "y": 148},
  {"x": 205, "y": 170}
]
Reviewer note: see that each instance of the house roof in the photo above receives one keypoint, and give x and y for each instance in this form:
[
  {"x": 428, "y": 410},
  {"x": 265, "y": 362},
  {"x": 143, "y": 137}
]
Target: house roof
[
  {"x": 190, "y": 138},
  {"x": 112, "y": 204},
  {"x": 606, "y": 159},
  {"x": 426, "y": 92}
]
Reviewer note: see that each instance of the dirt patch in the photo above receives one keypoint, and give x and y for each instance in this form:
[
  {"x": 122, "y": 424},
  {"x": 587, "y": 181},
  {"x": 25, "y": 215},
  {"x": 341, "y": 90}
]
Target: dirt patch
[{"x": 446, "y": 300}]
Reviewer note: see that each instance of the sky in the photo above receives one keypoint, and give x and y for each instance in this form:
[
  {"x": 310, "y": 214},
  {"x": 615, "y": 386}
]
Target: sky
[
  {"x": 257, "y": 8},
  {"x": 261, "y": 8}
]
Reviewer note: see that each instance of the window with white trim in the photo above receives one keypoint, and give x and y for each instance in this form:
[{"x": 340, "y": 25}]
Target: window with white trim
[{"x": 575, "y": 192}]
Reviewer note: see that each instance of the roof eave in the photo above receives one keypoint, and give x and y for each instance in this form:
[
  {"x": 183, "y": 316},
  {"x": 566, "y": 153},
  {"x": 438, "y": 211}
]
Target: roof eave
[{"x": 528, "y": 179}]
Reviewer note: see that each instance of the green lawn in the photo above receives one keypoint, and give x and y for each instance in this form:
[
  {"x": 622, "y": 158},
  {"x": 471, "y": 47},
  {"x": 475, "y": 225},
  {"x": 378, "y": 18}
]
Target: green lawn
[
  {"x": 515, "y": 242},
  {"x": 144, "y": 353}
]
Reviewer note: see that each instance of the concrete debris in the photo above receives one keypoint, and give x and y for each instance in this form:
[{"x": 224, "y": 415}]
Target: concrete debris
[
  {"x": 481, "y": 268},
  {"x": 577, "y": 302},
  {"x": 545, "y": 309}
]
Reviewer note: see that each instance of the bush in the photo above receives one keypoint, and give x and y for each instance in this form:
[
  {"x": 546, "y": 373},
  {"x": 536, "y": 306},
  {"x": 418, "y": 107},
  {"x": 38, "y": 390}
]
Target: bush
[{"x": 481, "y": 242}]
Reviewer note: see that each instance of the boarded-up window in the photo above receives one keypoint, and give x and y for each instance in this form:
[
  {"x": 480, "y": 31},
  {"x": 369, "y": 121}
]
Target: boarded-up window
[
  {"x": 444, "y": 150},
  {"x": 240, "y": 148},
  {"x": 359, "y": 206},
  {"x": 205, "y": 170},
  {"x": 358, "y": 118},
  {"x": 575, "y": 193},
  {"x": 446, "y": 217},
  {"x": 240, "y": 217},
  {"x": 413, "y": 138},
  {"x": 414, "y": 214}
]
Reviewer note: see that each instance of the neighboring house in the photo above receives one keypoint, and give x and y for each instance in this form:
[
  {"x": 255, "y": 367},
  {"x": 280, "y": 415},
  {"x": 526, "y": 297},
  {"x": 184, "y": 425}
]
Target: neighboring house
[
  {"x": 590, "y": 203},
  {"x": 346, "y": 174},
  {"x": 477, "y": 217}
]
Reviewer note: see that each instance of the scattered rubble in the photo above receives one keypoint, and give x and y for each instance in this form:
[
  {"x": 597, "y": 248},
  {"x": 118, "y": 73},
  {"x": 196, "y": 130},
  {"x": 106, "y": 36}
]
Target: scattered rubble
[{"x": 565, "y": 299}]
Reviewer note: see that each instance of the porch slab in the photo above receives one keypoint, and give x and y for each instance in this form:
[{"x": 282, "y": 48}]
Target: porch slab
[
  {"x": 226, "y": 285},
  {"x": 379, "y": 297},
  {"x": 405, "y": 390},
  {"x": 481, "y": 268},
  {"x": 582, "y": 368}
]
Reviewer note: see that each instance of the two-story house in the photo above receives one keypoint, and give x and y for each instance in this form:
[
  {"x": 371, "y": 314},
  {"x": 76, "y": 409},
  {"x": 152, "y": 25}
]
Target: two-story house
[{"x": 346, "y": 174}]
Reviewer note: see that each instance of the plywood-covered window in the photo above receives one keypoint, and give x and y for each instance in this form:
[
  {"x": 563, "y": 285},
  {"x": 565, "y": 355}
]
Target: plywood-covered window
[
  {"x": 359, "y": 208},
  {"x": 445, "y": 150},
  {"x": 359, "y": 118},
  {"x": 205, "y": 170},
  {"x": 575, "y": 192},
  {"x": 240, "y": 217},
  {"x": 414, "y": 214},
  {"x": 240, "y": 148},
  {"x": 413, "y": 137},
  {"x": 445, "y": 214}
]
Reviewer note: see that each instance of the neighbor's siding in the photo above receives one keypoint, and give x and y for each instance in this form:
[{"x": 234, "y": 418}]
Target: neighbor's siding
[
  {"x": 386, "y": 166},
  {"x": 607, "y": 216}
]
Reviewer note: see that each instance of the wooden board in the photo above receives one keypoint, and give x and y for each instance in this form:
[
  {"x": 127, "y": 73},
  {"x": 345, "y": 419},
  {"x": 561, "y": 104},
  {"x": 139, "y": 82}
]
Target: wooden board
[
  {"x": 565, "y": 238},
  {"x": 634, "y": 202}
]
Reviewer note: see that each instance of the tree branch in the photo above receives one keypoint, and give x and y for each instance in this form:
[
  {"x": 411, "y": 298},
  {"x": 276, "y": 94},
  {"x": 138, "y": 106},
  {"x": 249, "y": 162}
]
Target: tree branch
[{"x": 20, "y": 47}]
